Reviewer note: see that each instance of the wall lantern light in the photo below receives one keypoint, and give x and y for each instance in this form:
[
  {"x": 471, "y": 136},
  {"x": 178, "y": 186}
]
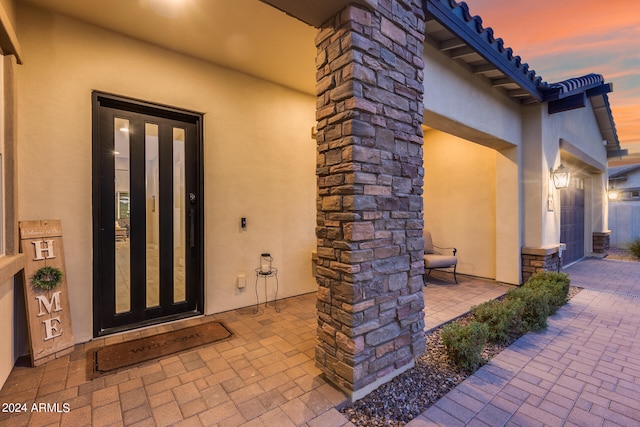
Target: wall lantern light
[
  {"x": 613, "y": 194},
  {"x": 561, "y": 176}
]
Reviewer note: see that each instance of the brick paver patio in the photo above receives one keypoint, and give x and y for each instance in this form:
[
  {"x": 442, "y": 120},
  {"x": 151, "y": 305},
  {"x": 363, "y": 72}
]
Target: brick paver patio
[
  {"x": 445, "y": 300},
  {"x": 583, "y": 370},
  {"x": 264, "y": 376}
]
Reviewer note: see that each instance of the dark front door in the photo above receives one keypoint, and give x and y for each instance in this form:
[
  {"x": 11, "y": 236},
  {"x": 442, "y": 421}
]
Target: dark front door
[
  {"x": 147, "y": 210},
  {"x": 572, "y": 220}
]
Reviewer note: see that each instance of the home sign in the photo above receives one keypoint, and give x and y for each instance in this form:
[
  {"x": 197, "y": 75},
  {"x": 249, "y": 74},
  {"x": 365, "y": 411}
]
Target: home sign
[{"x": 45, "y": 290}]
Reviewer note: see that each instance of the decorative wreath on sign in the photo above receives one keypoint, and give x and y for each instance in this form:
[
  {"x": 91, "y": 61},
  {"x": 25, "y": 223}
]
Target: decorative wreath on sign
[{"x": 47, "y": 277}]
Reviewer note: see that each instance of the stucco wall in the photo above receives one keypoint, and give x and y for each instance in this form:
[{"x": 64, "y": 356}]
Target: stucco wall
[
  {"x": 7, "y": 350},
  {"x": 534, "y": 187},
  {"x": 7, "y": 356},
  {"x": 9, "y": 9},
  {"x": 509, "y": 215},
  {"x": 579, "y": 128},
  {"x": 259, "y": 155},
  {"x": 632, "y": 181},
  {"x": 460, "y": 200},
  {"x": 624, "y": 222},
  {"x": 464, "y": 105},
  {"x": 472, "y": 108},
  {"x": 541, "y": 152}
]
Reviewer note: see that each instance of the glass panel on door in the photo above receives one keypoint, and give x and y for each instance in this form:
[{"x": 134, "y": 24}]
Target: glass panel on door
[
  {"x": 121, "y": 145},
  {"x": 179, "y": 216},
  {"x": 152, "y": 194}
]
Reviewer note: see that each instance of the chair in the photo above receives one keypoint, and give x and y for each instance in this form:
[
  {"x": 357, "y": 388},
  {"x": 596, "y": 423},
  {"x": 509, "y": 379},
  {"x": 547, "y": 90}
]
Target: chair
[
  {"x": 434, "y": 260},
  {"x": 121, "y": 233}
]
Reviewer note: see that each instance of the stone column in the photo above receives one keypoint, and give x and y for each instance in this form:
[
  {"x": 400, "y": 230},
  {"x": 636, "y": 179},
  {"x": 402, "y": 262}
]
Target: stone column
[
  {"x": 601, "y": 241},
  {"x": 370, "y": 178}
]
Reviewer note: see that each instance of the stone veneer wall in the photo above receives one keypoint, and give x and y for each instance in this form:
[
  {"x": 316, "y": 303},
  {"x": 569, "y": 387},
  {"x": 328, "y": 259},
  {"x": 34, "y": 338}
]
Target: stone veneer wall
[
  {"x": 370, "y": 178},
  {"x": 535, "y": 260},
  {"x": 601, "y": 242}
]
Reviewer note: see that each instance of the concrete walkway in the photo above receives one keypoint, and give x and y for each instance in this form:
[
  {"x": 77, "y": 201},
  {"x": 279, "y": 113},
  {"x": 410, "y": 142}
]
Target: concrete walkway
[{"x": 583, "y": 370}]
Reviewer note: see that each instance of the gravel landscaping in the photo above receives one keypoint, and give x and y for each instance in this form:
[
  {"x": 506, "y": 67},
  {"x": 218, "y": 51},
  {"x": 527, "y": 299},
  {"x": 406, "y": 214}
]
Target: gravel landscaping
[
  {"x": 411, "y": 393},
  {"x": 621, "y": 254}
]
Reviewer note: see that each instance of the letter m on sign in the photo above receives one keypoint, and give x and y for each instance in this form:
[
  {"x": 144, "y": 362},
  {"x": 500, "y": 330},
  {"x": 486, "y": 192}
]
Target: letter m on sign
[{"x": 43, "y": 302}]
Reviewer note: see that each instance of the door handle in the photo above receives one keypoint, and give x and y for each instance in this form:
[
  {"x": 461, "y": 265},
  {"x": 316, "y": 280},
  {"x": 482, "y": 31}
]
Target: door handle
[{"x": 192, "y": 227}]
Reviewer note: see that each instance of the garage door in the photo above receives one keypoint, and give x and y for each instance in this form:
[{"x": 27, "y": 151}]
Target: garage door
[{"x": 572, "y": 220}]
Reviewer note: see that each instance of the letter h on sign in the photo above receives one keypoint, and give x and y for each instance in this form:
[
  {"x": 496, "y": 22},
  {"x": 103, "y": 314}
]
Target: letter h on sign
[{"x": 48, "y": 248}]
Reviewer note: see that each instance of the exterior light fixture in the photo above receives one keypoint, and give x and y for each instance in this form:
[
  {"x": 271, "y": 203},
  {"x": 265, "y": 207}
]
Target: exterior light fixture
[
  {"x": 613, "y": 194},
  {"x": 561, "y": 176}
]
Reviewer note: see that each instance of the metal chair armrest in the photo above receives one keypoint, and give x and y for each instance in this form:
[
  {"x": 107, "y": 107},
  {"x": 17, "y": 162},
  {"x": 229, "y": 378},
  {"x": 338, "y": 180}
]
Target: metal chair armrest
[{"x": 441, "y": 247}]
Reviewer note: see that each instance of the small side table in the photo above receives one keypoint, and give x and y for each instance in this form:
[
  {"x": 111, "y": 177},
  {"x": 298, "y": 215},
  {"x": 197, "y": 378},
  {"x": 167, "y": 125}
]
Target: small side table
[{"x": 273, "y": 272}]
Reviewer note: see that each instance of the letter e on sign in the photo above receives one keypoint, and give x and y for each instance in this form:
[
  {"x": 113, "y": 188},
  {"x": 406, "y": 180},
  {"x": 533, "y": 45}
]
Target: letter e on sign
[{"x": 51, "y": 329}]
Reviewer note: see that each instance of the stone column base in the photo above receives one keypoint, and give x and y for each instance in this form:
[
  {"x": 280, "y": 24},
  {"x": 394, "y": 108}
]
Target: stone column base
[
  {"x": 601, "y": 243},
  {"x": 534, "y": 260}
]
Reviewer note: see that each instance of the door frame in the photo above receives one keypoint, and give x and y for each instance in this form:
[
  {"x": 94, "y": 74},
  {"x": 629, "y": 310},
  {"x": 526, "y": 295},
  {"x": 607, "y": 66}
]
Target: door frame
[{"x": 166, "y": 112}]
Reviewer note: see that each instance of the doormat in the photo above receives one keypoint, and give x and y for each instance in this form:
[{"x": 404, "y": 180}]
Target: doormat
[{"x": 128, "y": 353}]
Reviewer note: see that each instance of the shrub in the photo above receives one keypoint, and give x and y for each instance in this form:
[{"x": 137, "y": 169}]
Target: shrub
[
  {"x": 504, "y": 318},
  {"x": 464, "y": 343},
  {"x": 535, "y": 307},
  {"x": 551, "y": 276},
  {"x": 634, "y": 247},
  {"x": 524, "y": 309},
  {"x": 554, "y": 287}
]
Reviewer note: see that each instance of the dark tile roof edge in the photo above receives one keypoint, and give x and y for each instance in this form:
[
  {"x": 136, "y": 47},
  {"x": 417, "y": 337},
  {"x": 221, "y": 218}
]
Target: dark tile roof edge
[
  {"x": 470, "y": 29},
  {"x": 571, "y": 86},
  {"x": 458, "y": 19},
  {"x": 487, "y": 43},
  {"x": 577, "y": 83},
  {"x": 518, "y": 68}
]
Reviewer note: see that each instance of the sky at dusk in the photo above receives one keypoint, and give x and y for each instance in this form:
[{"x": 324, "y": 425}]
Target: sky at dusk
[{"x": 561, "y": 39}]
